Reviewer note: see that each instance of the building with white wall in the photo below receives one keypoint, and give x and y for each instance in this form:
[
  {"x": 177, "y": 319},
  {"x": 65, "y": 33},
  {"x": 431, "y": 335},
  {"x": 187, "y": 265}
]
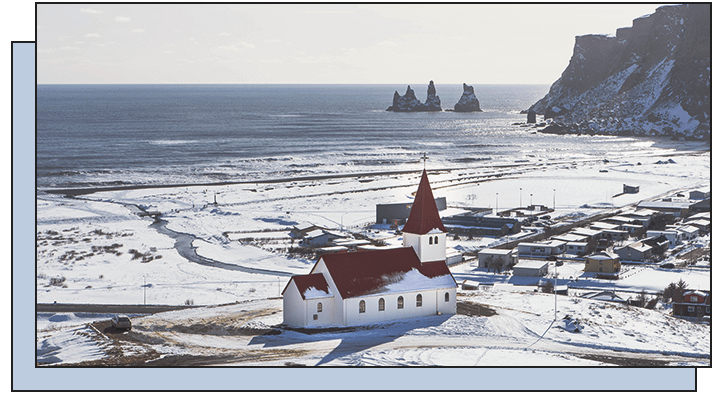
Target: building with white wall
[{"x": 366, "y": 287}]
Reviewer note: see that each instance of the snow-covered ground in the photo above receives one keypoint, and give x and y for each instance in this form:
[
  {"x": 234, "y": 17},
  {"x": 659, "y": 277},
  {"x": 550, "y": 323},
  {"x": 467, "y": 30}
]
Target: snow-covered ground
[{"x": 96, "y": 249}]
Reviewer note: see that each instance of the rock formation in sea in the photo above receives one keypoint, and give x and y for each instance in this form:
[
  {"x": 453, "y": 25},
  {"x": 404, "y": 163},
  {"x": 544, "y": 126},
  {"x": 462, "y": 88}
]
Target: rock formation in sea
[
  {"x": 650, "y": 79},
  {"x": 408, "y": 101},
  {"x": 468, "y": 101}
]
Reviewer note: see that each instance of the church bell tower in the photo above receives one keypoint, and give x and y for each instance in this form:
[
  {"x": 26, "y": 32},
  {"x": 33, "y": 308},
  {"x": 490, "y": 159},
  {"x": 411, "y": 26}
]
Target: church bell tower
[{"x": 424, "y": 230}]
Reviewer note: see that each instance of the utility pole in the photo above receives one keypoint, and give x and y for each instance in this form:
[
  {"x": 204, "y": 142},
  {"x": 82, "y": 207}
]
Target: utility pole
[
  {"x": 520, "y": 198},
  {"x": 144, "y": 287}
]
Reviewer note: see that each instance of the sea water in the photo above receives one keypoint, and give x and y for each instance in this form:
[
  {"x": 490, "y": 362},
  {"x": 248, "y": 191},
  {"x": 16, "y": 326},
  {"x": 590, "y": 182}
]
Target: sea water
[{"x": 113, "y": 135}]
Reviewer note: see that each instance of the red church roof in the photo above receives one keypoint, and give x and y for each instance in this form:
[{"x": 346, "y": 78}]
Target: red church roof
[
  {"x": 424, "y": 213},
  {"x": 310, "y": 284},
  {"x": 385, "y": 271}
]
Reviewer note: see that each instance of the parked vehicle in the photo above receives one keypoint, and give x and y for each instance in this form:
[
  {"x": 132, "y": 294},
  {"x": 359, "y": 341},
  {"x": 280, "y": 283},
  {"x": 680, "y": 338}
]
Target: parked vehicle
[{"x": 121, "y": 323}]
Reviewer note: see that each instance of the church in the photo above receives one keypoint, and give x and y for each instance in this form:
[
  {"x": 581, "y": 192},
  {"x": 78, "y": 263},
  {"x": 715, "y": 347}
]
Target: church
[{"x": 366, "y": 287}]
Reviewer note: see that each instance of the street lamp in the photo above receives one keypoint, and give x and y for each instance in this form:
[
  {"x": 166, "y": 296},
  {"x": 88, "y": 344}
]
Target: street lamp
[
  {"x": 555, "y": 292},
  {"x": 531, "y": 204},
  {"x": 554, "y": 199},
  {"x": 496, "y": 204},
  {"x": 520, "y": 198}
]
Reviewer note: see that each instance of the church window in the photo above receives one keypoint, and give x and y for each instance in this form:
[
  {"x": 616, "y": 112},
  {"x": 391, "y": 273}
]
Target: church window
[
  {"x": 381, "y": 304},
  {"x": 430, "y": 240},
  {"x": 320, "y": 307},
  {"x": 448, "y": 297},
  {"x": 419, "y": 300},
  {"x": 362, "y": 306},
  {"x": 436, "y": 239},
  {"x": 400, "y": 302}
]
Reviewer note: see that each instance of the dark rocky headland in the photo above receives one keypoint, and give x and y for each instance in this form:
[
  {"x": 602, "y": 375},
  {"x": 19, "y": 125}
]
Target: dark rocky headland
[{"x": 650, "y": 79}]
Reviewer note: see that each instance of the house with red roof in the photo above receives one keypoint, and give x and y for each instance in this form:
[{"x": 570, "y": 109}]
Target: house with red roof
[{"x": 366, "y": 287}]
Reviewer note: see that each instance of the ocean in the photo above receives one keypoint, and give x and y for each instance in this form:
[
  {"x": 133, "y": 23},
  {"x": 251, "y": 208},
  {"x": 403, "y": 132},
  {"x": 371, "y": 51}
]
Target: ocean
[{"x": 116, "y": 135}]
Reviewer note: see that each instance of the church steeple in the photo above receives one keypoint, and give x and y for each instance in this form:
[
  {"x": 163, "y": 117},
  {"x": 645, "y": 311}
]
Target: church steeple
[
  {"x": 424, "y": 215},
  {"x": 424, "y": 230}
]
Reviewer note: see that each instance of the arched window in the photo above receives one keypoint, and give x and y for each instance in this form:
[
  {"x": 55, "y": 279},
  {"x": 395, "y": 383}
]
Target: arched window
[
  {"x": 448, "y": 297},
  {"x": 320, "y": 307},
  {"x": 381, "y": 304},
  {"x": 436, "y": 239},
  {"x": 430, "y": 240},
  {"x": 419, "y": 300},
  {"x": 362, "y": 306},
  {"x": 400, "y": 302}
]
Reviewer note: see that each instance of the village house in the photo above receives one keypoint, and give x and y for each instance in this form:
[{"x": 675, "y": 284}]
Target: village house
[
  {"x": 672, "y": 235},
  {"x": 601, "y": 226},
  {"x": 366, "y": 287},
  {"x": 487, "y": 258},
  {"x": 703, "y": 225},
  {"x": 577, "y": 248},
  {"x": 677, "y": 208},
  {"x": 570, "y": 237},
  {"x": 319, "y": 237},
  {"x": 701, "y": 194},
  {"x": 590, "y": 234},
  {"x": 632, "y": 229},
  {"x": 616, "y": 235},
  {"x": 686, "y": 232},
  {"x": 397, "y": 213},
  {"x": 619, "y": 220},
  {"x": 300, "y": 230},
  {"x": 640, "y": 216},
  {"x": 603, "y": 262},
  {"x": 644, "y": 249},
  {"x": 630, "y": 189},
  {"x": 531, "y": 268},
  {"x": 692, "y": 303},
  {"x": 636, "y": 251},
  {"x": 481, "y": 225},
  {"x": 546, "y": 248}
]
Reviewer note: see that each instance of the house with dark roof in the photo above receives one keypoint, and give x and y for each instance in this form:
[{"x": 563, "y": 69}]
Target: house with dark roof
[
  {"x": 366, "y": 287},
  {"x": 692, "y": 303}
]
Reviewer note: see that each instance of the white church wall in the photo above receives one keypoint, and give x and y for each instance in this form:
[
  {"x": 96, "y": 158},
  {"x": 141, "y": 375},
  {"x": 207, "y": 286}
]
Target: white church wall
[
  {"x": 325, "y": 317},
  {"x": 293, "y": 306},
  {"x": 430, "y": 305},
  {"x": 446, "y": 307}
]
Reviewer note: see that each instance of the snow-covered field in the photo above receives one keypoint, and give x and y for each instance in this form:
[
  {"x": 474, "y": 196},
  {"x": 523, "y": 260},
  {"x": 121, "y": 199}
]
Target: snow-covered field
[{"x": 96, "y": 249}]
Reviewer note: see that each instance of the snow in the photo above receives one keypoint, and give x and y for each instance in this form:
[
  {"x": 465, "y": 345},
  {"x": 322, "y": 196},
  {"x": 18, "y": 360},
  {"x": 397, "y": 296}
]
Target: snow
[{"x": 244, "y": 239}]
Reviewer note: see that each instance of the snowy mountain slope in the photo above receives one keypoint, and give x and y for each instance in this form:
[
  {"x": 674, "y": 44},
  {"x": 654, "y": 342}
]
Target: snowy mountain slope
[{"x": 650, "y": 79}]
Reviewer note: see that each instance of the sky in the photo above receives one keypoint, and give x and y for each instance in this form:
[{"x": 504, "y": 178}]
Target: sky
[{"x": 317, "y": 43}]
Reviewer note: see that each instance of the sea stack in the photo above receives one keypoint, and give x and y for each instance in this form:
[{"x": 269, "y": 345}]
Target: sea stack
[
  {"x": 408, "y": 102},
  {"x": 468, "y": 101},
  {"x": 531, "y": 117}
]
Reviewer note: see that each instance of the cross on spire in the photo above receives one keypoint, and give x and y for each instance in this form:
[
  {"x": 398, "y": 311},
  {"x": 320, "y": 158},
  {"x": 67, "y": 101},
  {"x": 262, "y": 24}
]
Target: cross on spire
[{"x": 424, "y": 158}]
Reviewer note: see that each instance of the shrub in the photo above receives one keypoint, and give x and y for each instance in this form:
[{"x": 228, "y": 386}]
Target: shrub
[
  {"x": 189, "y": 302},
  {"x": 57, "y": 281}
]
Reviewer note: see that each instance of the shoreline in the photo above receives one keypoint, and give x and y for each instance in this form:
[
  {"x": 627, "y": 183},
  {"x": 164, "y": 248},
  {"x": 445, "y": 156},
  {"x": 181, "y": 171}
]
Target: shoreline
[{"x": 83, "y": 191}]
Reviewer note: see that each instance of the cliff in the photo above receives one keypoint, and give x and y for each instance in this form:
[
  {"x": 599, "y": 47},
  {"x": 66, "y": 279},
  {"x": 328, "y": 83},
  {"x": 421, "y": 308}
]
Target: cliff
[
  {"x": 650, "y": 79},
  {"x": 408, "y": 101}
]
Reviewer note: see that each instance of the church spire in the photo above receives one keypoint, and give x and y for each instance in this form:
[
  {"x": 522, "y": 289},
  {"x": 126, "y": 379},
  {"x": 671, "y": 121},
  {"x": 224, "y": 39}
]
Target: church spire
[{"x": 424, "y": 215}]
